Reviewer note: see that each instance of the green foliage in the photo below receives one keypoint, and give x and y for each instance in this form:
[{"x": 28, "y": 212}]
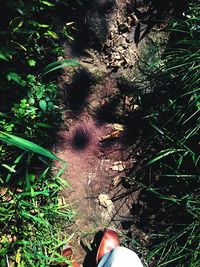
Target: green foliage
[
  {"x": 173, "y": 172},
  {"x": 30, "y": 22},
  {"x": 25, "y": 145},
  {"x": 31, "y": 215},
  {"x": 60, "y": 64},
  {"x": 28, "y": 223},
  {"x": 37, "y": 112}
]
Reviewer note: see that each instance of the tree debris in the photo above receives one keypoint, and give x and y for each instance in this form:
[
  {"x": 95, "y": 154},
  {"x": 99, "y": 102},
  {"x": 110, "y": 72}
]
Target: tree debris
[
  {"x": 106, "y": 202},
  {"x": 113, "y": 135},
  {"x": 119, "y": 166}
]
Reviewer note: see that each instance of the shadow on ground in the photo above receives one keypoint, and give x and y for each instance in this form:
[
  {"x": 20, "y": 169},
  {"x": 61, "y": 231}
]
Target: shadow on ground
[
  {"x": 154, "y": 13},
  {"x": 90, "y": 259},
  {"x": 77, "y": 92},
  {"x": 93, "y": 24}
]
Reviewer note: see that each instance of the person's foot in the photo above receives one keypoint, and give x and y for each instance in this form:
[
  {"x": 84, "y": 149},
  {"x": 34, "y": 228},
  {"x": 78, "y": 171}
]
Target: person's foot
[{"x": 110, "y": 240}]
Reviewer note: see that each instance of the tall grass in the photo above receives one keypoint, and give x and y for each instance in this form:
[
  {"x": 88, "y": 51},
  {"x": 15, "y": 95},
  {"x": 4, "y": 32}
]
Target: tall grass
[
  {"x": 29, "y": 223},
  {"x": 31, "y": 213},
  {"x": 173, "y": 172}
]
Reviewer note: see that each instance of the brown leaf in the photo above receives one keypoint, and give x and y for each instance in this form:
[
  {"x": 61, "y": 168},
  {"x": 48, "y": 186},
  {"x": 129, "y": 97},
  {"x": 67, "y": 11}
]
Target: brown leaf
[
  {"x": 116, "y": 181},
  {"x": 113, "y": 135},
  {"x": 61, "y": 201},
  {"x": 104, "y": 200},
  {"x": 3, "y": 191},
  {"x": 118, "y": 127},
  {"x": 118, "y": 166}
]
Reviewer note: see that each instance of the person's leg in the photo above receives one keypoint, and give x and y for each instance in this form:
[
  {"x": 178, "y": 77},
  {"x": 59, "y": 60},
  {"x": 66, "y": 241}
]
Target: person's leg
[{"x": 119, "y": 257}]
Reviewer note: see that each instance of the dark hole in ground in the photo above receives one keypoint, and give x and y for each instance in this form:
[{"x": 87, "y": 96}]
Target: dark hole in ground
[
  {"x": 80, "y": 139},
  {"x": 79, "y": 90}
]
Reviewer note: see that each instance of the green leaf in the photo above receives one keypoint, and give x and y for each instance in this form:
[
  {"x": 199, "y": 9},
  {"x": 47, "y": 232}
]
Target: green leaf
[
  {"x": 31, "y": 62},
  {"x": 60, "y": 172},
  {"x": 11, "y": 169},
  {"x": 24, "y": 101},
  {"x": 60, "y": 64},
  {"x": 5, "y": 56},
  {"x": 3, "y": 262},
  {"x": 47, "y": 3},
  {"x": 26, "y": 145},
  {"x": 43, "y": 105},
  {"x": 21, "y": 111},
  {"x": 17, "y": 160},
  {"x": 31, "y": 101},
  {"x": 43, "y": 25},
  {"x": 34, "y": 218},
  {"x": 44, "y": 125},
  {"x": 163, "y": 154},
  {"x": 52, "y": 34},
  {"x": 13, "y": 76},
  {"x": 16, "y": 23},
  {"x": 50, "y": 105}
]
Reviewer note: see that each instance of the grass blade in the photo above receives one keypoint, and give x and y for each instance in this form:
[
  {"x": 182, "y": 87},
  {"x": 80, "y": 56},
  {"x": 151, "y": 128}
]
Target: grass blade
[
  {"x": 26, "y": 145},
  {"x": 59, "y": 65}
]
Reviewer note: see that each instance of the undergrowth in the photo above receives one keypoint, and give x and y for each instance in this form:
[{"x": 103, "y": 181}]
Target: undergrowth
[
  {"x": 30, "y": 232},
  {"x": 32, "y": 215},
  {"x": 170, "y": 176}
]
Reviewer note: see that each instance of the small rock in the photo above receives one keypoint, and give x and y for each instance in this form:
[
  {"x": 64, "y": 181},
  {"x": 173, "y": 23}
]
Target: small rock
[
  {"x": 124, "y": 44},
  {"x": 111, "y": 35},
  {"x": 119, "y": 49}
]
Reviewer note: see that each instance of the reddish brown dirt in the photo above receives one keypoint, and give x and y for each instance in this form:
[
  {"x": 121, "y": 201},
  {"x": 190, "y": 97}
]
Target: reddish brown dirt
[
  {"x": 80, "y": 147},
  {"x": 89, "y": 167}
]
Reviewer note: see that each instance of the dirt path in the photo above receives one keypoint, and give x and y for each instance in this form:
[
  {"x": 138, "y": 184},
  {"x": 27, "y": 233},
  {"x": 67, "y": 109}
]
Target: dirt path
[
  {"x": 96, "y": 165},
  {"x": 94, "y": 140}
]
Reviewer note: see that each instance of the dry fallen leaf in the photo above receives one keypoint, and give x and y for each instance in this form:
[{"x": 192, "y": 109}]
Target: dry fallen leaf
[
  {"x": 112, "y": 135},
  {"x": 129, "y": 100},
  {"x": 106, "y": 202},
  {"x": 117, "y": 180},
  {"x": 3, "y": 191},
  {"x": 61, "y": 201},
  {"x": 118, "y": 166},
  {"x": 135, "y": 107},
  {"x": 11, "y": 238},
  {"x": 118, "y": 127}
]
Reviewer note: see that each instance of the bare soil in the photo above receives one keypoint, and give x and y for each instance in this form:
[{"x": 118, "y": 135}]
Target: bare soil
[{"x": 96, "y": 165}]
